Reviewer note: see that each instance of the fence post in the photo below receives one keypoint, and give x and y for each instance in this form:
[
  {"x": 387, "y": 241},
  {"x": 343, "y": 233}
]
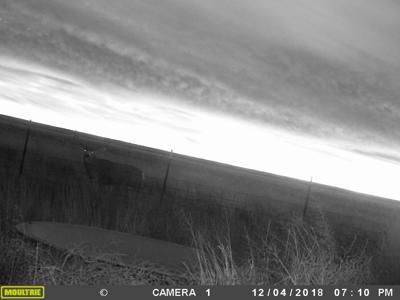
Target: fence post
[
  {"x": 28, "y": 132},
  {"x": 307, "y": 198},
  {"x": 166, "y": 178}
]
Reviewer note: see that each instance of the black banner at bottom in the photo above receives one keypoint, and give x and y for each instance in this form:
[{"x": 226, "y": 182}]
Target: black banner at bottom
[{"x": 200, "y": 292}]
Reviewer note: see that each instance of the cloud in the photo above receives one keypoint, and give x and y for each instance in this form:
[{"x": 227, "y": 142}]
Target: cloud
[
  {"x": 393, "y": 158},
  {"x": 282, "y": 69}
]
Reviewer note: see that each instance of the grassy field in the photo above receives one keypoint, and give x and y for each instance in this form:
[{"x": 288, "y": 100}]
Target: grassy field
[{"x": 246, "y": 225}]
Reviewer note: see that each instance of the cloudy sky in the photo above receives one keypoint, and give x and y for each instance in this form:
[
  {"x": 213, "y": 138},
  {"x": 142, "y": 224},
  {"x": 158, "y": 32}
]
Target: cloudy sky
[{"x": 294, "y": 87}]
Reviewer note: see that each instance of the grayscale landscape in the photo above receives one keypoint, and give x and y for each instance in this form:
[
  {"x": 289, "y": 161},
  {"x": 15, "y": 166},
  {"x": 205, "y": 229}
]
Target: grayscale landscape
[
  {"x": 348, "y": 234},
  {"x": 257, "y": 140}
]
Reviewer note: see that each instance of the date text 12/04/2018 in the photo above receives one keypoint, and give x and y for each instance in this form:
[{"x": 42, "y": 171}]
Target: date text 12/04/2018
[
  {"x": 296, "y": 292},
  {"x": 320, "y": 292}
]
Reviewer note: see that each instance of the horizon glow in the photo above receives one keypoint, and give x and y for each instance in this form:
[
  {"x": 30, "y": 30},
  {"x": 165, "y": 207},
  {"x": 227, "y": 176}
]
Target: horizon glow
[{"x": 159, "y": 122}]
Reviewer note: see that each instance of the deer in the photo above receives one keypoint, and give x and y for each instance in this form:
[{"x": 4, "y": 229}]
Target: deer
[{"x": 107, "y": 173}]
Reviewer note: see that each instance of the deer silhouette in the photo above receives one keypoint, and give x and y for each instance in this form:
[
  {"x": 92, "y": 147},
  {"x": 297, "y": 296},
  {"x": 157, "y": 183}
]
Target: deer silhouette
[{"x": 107, "y": 173}]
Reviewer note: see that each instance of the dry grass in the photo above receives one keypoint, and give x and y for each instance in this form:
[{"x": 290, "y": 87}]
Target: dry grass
[
  {"x": 234, "y": 246},
  {"x": 301, "y": 257},
  {"x": 26, "y": 262}
]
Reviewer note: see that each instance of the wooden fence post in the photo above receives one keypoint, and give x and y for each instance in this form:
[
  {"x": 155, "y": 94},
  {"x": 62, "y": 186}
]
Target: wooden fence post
[
  {"x": 28, "y": 133},
  {"x": 166, "y": 178},
  {"x": 307, "y": 198}
]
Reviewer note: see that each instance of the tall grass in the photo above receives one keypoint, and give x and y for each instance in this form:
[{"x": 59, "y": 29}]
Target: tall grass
[
  {"x": 247, "y": 245},
  {"x": 25, "y": 262},
  {"x": 299, "y": 256},
  {"x": 292, "y": 254}
]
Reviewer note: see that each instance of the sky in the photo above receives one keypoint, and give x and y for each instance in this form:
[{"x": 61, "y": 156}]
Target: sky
[{"x": 297, "y": 88}]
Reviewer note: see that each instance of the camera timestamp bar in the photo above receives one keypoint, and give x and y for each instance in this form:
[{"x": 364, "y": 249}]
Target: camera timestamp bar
[{"x": 217, "y": 292}]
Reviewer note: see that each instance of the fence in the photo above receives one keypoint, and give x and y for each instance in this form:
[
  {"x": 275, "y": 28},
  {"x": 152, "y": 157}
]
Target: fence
[
  {"x": 52, "y": 169},
  {"x": 61, "y": 159}
]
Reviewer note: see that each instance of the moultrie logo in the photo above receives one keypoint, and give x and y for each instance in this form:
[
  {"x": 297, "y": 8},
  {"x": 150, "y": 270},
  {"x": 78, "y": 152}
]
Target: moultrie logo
[{"x": 22, "y": 292}]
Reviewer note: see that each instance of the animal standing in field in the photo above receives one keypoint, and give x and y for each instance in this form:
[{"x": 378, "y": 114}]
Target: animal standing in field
[
  {"x": 119, "y": 177},
  {"x": 104, "y": 172}
]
